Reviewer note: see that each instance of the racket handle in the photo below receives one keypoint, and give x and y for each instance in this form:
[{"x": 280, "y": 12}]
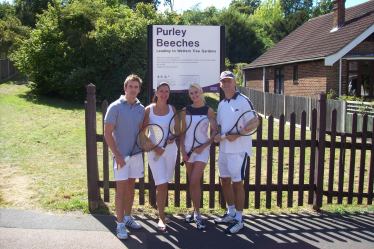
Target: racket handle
[
  {"x": 223, "y": 136},
  {"x": 127, "y": 158},
  {"x": 157, "y": 155},
  {"x": 188, "y": 154}
]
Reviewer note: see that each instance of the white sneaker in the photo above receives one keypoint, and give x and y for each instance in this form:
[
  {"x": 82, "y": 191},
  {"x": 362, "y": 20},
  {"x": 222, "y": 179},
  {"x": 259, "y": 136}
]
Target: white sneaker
[
  {"x": 132, "y": 223},
  {"x": 234, "y": 227},
  {"x": 121, "y": 231},
  {"x": 226, "y": 218},
  {"x": 190, "y": 218}
]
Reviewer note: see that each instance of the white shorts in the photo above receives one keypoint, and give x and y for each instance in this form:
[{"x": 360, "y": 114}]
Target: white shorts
[
  {"x": 202, "y": 157},
  {"x": 134, "y": 168},
  {"x": 163, "y": 169},
  {"x": 232, "y": 165}
]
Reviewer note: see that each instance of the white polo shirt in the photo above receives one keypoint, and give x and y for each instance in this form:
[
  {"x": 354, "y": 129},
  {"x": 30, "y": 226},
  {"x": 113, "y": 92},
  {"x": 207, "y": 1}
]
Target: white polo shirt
[{"x": 227, "y": 114}]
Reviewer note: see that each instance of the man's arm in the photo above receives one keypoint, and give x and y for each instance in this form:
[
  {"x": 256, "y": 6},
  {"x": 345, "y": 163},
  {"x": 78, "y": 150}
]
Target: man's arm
[{"x": 108, "y": 129}]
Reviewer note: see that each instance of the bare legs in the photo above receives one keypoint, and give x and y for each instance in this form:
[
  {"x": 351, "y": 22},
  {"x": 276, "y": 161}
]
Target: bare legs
[
  {"x": 124, "y": 198},
  {"x": 194, "y": 172},
  {"x": 161, "y": 194},
  {"x": 233, "y": 193}
]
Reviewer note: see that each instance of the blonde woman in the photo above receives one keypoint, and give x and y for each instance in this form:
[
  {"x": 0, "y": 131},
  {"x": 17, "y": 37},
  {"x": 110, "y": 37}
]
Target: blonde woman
[
  {"x": 160, "y": 112},
  {"x": 195, "y": 164}
]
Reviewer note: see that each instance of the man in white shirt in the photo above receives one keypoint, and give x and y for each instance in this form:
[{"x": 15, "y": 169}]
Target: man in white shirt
[{"x": 233, "y": 152}]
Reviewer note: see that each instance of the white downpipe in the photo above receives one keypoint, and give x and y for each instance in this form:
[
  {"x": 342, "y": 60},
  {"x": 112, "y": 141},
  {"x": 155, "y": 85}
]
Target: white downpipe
[{"x": 340, "y": 77}]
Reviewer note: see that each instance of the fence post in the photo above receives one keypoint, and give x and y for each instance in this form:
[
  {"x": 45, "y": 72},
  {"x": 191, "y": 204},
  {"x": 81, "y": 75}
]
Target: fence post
[
  {"x": 320, "y": 155},
  {"x": 91, "y": 148},
  {"x": 8, "y": 67}
]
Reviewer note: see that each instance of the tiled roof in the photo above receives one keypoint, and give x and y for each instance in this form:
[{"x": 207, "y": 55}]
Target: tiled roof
[{"x": 314, "y": 40}]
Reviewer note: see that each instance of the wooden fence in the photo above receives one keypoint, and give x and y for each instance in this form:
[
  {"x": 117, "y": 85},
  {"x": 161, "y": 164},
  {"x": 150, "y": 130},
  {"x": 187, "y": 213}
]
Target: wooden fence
[
  {"x": 326, "y": 156},
  {"x": 7, "y": 69}
]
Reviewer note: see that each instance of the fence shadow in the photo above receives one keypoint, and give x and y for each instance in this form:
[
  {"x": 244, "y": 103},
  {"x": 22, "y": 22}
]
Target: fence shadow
[{"x": 268, "y": 231}]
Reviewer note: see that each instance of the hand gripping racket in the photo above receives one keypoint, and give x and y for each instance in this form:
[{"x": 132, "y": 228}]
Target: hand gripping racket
[
  {"x": 246, "y": 124},
  {"x": 143, "y": 142},
  {"x": 178, "y": 125},
  {"x": 204, "y": 133}
]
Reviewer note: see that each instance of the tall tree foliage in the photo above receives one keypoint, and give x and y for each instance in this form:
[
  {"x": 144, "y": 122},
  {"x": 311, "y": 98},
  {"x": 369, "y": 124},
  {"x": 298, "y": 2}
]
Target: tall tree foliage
[
  {"x": 88, "y": 42},
  {"x": 132, "y": 3},
  {"x": 245, "y": 6},
  {"x": 293, "y": 6},
  {"x": 265, "y": 16},
  {"x": 242, "y": 45},
  {"x": 27, "y": 10},
  {"x": 12, "y": 33}
]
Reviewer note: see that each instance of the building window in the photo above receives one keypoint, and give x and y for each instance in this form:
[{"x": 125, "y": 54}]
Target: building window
[
  {"x": 295, "y": 74},
  {"x": 360, "y": 78},
  {"x": 279, "y": 81}
]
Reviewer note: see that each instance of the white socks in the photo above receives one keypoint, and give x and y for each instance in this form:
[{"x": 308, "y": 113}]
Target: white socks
[
  {"x": 239, "y": 215},
  {"x": 232, "y": 210},
  {"x": 195, "y": 215}
]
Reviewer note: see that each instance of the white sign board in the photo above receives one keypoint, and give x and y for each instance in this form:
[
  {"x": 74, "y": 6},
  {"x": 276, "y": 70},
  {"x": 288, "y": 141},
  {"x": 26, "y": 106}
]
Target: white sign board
[{"x": 185, "y": 54}]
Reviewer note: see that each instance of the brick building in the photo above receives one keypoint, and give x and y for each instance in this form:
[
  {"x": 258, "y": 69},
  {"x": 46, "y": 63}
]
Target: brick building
[{"x": 334, "y": 51}]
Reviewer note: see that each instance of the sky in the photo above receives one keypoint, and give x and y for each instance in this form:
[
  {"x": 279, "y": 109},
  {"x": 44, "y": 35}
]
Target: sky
[{"x": 180, "y": 5}]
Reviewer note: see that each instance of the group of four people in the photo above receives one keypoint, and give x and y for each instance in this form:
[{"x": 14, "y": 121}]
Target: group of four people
[{"x": 126, "y": 116}]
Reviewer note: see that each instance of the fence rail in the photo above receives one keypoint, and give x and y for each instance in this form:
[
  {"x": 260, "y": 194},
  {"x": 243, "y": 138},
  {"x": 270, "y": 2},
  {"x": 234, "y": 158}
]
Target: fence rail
[{"x": 320, "y": 174}]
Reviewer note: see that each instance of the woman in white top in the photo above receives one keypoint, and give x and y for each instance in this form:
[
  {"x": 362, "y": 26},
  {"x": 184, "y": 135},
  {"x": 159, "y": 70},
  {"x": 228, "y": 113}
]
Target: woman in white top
[
  {"x": 196, "y": 163},
  {"x": 160, "y": 112}
]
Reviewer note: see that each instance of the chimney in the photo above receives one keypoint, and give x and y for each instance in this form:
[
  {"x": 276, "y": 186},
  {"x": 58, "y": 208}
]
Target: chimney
[{"x": 339, "y": 14}]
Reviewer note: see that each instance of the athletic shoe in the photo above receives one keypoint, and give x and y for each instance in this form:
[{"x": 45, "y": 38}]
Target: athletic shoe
[
  {"x": 234, "y": 227},
  {"x": 132, "y": 223},
  {"x": 226, "y": 218},
  {"x": 200, "y": 224},
  {"x": 190, "y": 218},
  {"x": 121, "y": 231}
]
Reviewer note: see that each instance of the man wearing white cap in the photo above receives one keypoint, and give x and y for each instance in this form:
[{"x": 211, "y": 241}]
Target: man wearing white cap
[{"x": 233, "y": 152}]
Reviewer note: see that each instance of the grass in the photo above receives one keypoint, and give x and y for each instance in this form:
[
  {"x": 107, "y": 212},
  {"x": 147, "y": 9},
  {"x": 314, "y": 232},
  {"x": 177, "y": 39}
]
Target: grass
[{"x": 43, "y": 159}]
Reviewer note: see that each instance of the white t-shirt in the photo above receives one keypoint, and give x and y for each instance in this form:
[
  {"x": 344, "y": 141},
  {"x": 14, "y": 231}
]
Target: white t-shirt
[{"x": 227, "y": 114}]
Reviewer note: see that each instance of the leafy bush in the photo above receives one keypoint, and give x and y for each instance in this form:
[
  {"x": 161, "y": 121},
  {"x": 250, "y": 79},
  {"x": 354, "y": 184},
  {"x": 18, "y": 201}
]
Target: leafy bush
[{"x": 88, "y": 42}]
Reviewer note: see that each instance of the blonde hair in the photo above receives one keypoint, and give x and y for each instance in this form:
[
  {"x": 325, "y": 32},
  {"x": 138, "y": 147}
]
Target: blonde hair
[{"x": 193, "y": 84}]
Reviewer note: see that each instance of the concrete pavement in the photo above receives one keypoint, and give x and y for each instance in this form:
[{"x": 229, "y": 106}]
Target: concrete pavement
[{"x": 31, "y": 229}]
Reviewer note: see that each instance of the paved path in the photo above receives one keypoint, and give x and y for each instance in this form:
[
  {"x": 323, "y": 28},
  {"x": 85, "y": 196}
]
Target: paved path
[{"x": 31, "y": 229}]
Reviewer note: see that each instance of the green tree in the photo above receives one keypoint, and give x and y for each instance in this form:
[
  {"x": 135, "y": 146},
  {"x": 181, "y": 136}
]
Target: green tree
[
  {"x": 132, "y": 3},
  {"x": 265, "y": 16},
  {"x": 12, "y": 33},
  {"x": 88, "y": 42},
  {"x": 27, "y": 10},
  {"x": 279, "y": 30},
  {"x": 293, "y": 6},
  {"x": 245, "y": 6},
  {"x": 322, "y": 7},
  {"x": 242, "y": 44}
]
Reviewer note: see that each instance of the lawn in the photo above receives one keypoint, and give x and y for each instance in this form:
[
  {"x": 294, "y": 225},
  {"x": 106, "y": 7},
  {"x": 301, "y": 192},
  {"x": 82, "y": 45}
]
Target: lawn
[{"x": 43, "y": 158}]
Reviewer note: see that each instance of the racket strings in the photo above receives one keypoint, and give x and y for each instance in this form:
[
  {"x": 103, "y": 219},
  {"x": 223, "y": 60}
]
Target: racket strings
[
  {"x": 247, "y": 123},
  {"x": 206, "y": 129},
  {"x": 182, "y": 121},
  {"x": 144, "y": 142}
]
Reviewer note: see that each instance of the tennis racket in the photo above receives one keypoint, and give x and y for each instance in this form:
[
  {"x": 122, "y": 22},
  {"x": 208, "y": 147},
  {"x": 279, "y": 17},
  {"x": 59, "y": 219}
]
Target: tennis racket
[
  {"x": 204, "y": 133},
  {"x": 246, "y": 124},
  {"x": 178, "y": 125},
  {"x": 143, "y": 142}
]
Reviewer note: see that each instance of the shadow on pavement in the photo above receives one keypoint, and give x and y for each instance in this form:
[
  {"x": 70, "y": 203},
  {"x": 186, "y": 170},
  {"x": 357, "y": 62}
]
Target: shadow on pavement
[{"x": 270, "y": 231}]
